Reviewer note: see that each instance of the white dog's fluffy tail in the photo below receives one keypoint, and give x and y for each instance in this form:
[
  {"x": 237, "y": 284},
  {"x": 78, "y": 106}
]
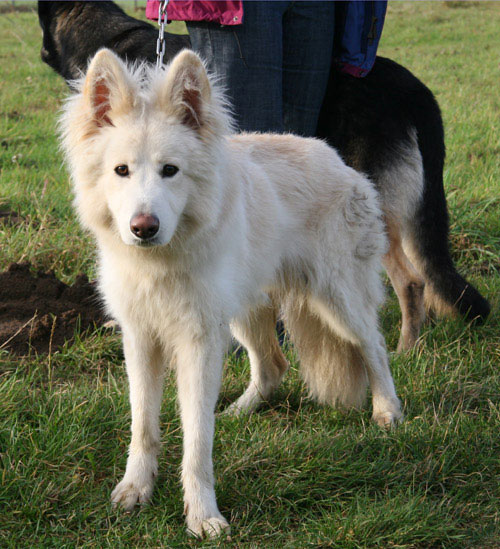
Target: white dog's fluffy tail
[{"x": 331, "y": 367}]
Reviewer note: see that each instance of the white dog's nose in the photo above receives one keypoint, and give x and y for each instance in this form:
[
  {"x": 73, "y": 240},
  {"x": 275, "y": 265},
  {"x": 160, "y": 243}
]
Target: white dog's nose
[{"x": 144, "y": 226}]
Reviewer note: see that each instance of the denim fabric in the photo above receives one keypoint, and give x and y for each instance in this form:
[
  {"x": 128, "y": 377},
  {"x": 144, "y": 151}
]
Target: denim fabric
[{"x": 275, "y": 65}]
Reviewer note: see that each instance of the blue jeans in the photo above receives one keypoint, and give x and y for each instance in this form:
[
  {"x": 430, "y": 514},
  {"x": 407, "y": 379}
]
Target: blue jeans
[{"x": 275, "y": 65}]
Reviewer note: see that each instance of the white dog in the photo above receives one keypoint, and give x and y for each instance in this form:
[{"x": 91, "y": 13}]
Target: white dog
[{"x": 201, "y": 232}]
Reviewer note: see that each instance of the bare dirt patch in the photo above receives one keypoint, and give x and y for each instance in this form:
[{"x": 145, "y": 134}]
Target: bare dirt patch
[{"x": 40, "y": 313}]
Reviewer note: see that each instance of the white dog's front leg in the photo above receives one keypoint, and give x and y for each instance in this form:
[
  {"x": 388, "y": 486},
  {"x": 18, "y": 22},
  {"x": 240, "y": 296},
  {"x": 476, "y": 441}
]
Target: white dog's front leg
[
  {"x": 199, "y": 372},
  {"x": 145, "y": 373}
]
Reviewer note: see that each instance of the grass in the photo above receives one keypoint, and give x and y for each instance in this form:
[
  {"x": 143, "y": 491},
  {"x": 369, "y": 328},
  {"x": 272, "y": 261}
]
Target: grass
[{"x": 295, "y": 474}]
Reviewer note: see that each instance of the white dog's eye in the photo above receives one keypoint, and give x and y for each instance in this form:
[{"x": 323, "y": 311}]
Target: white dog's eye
[
  {"x": 169, "y": 170},
  {"x": 122, "y": 170}
]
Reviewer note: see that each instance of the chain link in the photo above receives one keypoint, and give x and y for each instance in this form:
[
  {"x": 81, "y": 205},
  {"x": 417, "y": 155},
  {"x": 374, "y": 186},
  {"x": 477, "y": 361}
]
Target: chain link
[{"x": 160, "y": 43}]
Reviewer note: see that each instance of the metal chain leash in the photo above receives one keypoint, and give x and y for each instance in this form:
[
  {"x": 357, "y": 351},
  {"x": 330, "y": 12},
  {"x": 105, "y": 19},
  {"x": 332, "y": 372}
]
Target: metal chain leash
[{"x": 160, "y": 43}]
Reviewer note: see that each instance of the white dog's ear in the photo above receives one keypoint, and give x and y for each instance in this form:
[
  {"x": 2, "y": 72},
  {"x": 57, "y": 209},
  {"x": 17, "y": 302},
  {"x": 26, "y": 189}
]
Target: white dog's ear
[
  {"x": 186, "y": 90},
  {"x": 107, "y": 89}
]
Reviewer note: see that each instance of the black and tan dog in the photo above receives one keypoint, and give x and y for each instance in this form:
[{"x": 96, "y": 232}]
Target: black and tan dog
[
  {"x": 74, "y": 31},
  {"x": 387, "y": 125}
]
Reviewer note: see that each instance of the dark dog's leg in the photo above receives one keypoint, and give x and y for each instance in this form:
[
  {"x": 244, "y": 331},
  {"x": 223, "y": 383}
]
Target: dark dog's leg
[{"x": 408, "y": 285}]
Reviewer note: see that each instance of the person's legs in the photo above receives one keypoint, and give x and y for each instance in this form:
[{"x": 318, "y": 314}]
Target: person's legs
[
  {"x": 248, "y": 59},
  {"x": 308, "y": 29}
]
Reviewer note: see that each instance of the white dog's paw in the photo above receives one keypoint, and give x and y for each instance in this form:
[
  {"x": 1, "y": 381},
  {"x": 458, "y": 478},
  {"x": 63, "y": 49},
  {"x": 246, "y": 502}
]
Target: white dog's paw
[
  {"x": 236, "y": 410},
  {"x": 212, "y": 527},
  {"x": 248, "y": 402},
  {"x": 127, "y": 494},
  {"x": 387, "y": 411},
  {"x": 389, "y": 418}
]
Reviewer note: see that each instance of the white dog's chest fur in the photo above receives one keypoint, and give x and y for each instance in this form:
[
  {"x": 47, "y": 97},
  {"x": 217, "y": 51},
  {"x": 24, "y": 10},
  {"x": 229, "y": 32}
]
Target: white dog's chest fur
[{"x": 165, "y": 299}]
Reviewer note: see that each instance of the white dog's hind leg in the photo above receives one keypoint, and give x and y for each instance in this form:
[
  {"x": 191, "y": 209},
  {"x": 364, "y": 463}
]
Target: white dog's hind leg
[
  {"x": 386, "y": 406},
  {"x": 145, "y": 369},
  {"x": 199, "y": 373},
  {"x": 257, "y": 333}
]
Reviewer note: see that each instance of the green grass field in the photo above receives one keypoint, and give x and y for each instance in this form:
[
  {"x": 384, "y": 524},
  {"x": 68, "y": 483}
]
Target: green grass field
[{"x": 294, "y": 474}]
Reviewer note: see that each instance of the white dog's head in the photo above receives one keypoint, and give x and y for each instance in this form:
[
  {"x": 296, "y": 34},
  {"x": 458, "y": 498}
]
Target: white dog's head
[{"x": 141, "y": 145}]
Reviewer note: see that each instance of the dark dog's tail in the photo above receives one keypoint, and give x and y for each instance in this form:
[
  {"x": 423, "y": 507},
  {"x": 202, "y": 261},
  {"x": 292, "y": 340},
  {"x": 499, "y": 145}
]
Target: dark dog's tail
[{"x": 446, "y": 291}]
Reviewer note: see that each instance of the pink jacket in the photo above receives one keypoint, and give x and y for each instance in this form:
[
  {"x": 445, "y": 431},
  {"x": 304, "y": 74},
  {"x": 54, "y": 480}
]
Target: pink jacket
[{"x": 225, "y": 12}]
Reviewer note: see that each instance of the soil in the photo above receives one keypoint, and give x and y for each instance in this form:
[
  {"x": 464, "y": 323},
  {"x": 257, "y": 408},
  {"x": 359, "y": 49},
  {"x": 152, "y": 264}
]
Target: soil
[{"x": 41, "y": 313}]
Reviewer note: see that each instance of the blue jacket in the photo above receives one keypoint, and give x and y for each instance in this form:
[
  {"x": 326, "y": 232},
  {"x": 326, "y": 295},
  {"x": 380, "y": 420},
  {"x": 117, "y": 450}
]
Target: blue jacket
[{"x": 358, "y": 27}]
